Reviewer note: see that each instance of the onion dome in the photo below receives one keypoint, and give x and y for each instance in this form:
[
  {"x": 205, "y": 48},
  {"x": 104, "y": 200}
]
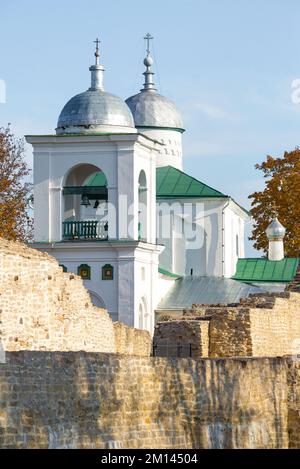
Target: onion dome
[
  {"x": 149, "y": 108},
  {"x": 275, "y": 230},
  {"x": 95, "y": 110}
]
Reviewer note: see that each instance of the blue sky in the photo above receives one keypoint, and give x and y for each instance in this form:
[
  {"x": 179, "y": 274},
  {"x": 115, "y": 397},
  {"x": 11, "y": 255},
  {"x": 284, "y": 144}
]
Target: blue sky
[{"x": 228, "y": 64}]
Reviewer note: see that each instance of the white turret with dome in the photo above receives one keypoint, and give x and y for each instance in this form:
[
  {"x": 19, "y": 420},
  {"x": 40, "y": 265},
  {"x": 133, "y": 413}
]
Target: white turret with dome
[
  {"x": 275, "y": 234},
  {"x": 158, "y": 117}
]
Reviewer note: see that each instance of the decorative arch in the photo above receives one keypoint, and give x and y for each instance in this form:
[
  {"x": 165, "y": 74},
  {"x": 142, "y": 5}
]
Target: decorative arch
[
  {"x": 79, "y": 173},
  {"x": 97, "y": 300}
]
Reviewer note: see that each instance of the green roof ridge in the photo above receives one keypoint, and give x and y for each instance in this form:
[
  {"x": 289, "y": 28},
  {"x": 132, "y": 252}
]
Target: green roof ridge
[{"x": 169, "y": 184}]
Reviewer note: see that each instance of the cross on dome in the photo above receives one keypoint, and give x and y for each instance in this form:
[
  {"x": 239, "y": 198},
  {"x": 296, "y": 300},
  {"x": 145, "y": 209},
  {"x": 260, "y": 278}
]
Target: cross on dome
[
  {"x": 148, "y": 38},
  {"x": 97, "y": 55},
  {"x": 148, "y": 61}
]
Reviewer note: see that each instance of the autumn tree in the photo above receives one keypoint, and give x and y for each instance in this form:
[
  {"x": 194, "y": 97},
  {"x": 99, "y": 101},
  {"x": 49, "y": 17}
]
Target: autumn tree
[
  {"x": 281, "y": 198},
  {"x": 15, "y": 222}
]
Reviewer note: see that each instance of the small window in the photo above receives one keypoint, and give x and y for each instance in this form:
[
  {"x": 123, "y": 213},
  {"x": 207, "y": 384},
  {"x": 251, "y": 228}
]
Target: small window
[
  {"x": 107, "y": 272},
  {"x": 64, "y": 268},
  {"x": 84, "y": 271},
  {"x": 143, "y": 274}
]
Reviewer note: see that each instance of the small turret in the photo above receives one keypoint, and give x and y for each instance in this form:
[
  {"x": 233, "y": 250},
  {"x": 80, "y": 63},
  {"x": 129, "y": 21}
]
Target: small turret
[{"x": 275, "y": 233}]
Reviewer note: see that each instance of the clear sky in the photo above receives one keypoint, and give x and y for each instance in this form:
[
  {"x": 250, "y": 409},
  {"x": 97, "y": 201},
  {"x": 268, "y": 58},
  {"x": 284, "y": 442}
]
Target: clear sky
[{"x": 228, "y": 64}]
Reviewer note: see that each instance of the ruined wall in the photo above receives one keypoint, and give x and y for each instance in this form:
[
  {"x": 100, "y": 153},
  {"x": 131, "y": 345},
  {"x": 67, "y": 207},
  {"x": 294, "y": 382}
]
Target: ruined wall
[
  {"x": 261, "y": 325},
  {"x": 43, "y": 308},
  {"x": 86, "y": 400},
  {"x": 192, "y": 336},
  {"x": 131, "y": 341},
  {"x": 276, "y": 331}
]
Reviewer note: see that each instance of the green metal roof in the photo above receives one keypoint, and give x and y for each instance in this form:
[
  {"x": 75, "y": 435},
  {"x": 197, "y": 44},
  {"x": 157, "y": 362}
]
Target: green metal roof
[
  {"x": 97, "y": 179},
  {"x": 168, "y": 274},
  {"x": 171, "y": 183},
  {"x": 263, "y": 270}
]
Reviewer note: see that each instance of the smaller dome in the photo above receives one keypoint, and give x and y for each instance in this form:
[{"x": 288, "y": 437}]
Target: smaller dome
[
  {"x": 151, "y": 109},
  {"x": 275, "y": 230}
]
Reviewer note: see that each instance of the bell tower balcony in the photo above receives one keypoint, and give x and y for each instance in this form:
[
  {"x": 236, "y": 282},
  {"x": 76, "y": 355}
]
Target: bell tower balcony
[{"x": 88, "y": 229}]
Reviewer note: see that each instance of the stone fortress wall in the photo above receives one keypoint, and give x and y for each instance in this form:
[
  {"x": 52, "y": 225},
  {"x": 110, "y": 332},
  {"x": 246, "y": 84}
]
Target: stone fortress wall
[
  {"x": 71, "y": 378},
  {"x": 96, "y": 400},
  {"x": 43, "y": 308}
]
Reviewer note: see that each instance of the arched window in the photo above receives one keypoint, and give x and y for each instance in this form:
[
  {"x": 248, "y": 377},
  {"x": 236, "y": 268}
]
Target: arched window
[
  {"x": 143, "y": 207},
  {"x": 64, "y": 268},
  {"x": 107, "y": 272},
  {"x": 144, "y": 316},
  {"x": 84, "y": 271}
]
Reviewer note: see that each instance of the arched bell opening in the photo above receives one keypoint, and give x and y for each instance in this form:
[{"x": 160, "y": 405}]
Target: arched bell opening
[{"x": 85, "y": 203}]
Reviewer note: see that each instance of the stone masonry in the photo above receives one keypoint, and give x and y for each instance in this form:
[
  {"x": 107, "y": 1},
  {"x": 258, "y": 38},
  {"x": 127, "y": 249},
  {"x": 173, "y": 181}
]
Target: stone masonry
[
  {"x": 92, "y": 400},
  {"x": 43, "y": 308},
  {"x": 261, "y": 325},
  {"x": 71, "y": 378}
]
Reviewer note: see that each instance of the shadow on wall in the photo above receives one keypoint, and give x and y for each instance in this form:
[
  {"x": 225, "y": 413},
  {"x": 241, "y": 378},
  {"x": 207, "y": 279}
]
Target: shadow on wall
[
  {"x": 214, "y": 409},
  {"x": 90, "y": 400}
]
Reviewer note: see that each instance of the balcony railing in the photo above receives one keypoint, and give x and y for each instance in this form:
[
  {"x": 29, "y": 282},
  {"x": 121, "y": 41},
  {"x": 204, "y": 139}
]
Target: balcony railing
[{"x": 91, "y": 229}]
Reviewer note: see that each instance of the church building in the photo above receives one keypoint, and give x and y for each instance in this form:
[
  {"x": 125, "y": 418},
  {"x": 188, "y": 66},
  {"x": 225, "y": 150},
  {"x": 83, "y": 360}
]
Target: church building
[{"x": 113, "y": 205}]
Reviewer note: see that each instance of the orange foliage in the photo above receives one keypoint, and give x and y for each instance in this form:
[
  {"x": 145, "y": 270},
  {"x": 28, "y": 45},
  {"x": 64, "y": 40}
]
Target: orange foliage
[
  {"x": 15, "y": 223},
  {"x": 281, "y": 198}
]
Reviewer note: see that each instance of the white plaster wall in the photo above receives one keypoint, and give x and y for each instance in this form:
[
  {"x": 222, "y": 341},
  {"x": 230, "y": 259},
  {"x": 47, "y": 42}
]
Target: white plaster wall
[
  {"x": 121, "y": 160},
  {"x": 171, "y": 151},
  {"x": 41, "y": 162},
  {"x": 121, "y": 295},
  {"x": 201, "y": 249},
  {"x": 164, "y": 284},
  {"x": 146, "y": 283},
  {"x": 145, "y": 161},
  {"x": 234, "y": 227}
]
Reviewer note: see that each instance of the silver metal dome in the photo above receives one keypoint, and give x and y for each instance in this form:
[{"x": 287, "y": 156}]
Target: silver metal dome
[
  {"x": 275, "y": 230},
  {"x": 95, "y": 110},
  {"x": 151, "y": 109}
]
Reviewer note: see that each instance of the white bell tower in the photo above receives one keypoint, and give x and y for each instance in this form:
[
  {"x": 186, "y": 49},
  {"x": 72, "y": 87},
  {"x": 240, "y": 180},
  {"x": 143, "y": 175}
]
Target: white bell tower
[{"x": 95, "y": 201}]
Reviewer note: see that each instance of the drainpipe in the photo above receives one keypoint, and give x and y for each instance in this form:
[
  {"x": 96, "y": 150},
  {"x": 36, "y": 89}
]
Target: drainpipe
[{"x": 223, "y": 237}]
